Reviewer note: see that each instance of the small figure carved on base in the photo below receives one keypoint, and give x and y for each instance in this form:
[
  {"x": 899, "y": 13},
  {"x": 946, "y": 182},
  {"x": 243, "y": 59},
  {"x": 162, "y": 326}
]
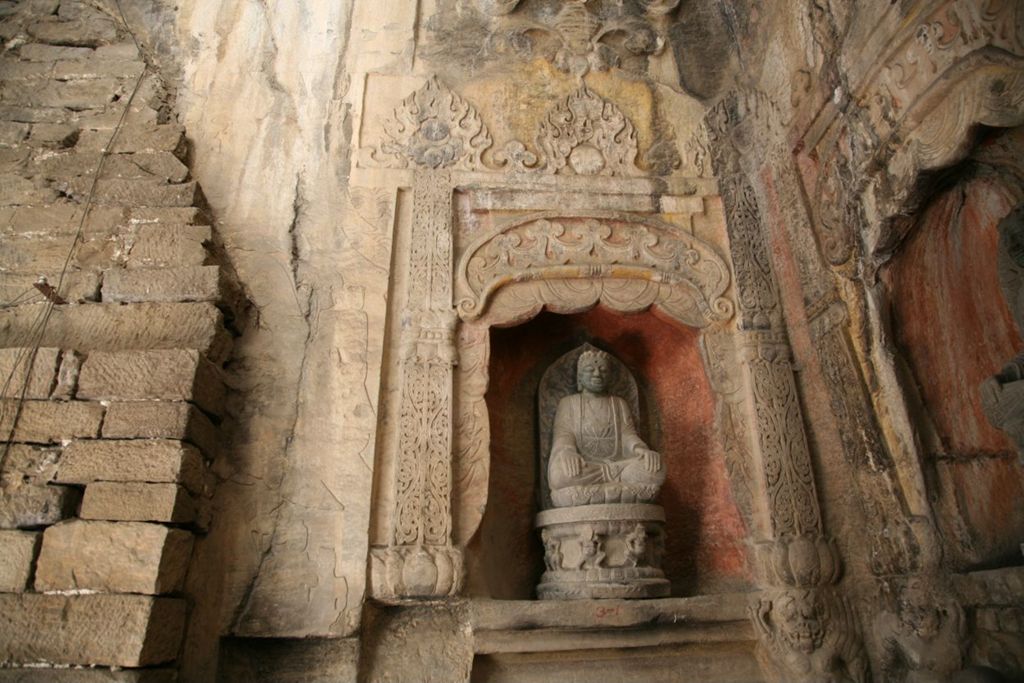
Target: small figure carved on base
[{"x": 808, "y": 636}]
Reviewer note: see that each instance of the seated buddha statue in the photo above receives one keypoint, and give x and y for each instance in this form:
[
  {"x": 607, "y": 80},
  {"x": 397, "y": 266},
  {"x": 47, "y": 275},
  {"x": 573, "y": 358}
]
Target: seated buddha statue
[{"x": 596, "y": 454}]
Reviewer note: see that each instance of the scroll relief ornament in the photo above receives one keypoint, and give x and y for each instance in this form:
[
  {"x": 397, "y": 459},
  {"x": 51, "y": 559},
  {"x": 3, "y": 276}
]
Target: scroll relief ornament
[
  {"x": 582, "y": 35},
  {"x": 589, "y": 135},
  {"x": 434, "y": 128},
  {"x": 654, "y": 263}
]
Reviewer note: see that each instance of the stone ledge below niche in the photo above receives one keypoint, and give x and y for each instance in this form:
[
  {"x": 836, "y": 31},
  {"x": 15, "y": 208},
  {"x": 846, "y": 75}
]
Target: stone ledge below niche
[{"x": 519, "y": 626}]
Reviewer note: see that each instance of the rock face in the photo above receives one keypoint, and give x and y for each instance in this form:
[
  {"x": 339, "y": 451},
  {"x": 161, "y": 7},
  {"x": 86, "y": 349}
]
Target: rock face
[{"x": 279, "y": 283}]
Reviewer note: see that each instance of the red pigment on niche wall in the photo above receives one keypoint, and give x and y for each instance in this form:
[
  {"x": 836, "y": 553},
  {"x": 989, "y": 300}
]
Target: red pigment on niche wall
[
  {"x": 704, "y": 551},
  {"x": 952, "y": 322}
]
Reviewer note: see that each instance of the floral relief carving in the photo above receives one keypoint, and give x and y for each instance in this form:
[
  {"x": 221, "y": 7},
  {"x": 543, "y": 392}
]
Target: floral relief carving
[
  {"x": 755, "y": 286},
  {"x": 785, "y": 459},
  {"x": 588, "y": 135},
  {"x": 614, "y": 247},
  {"x": 421, "y": 561},
  {"x": 951, "y": 31},
  {"x": 838, "y": 218},
  {"x": 434, "y": 128},
  {"x": 993, "y": 96},
  {"x": 945, "y": 75},
  {"x": 585, "y": 134}
]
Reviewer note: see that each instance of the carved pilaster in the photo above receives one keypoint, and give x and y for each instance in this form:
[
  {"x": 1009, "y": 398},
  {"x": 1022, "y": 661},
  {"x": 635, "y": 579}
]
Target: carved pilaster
[
  {"x": 756, "y": 292},
  {"x": 778, "y": 440},
  {"x": 421, "y": 561},
  {"x": 806, "y": 627}
]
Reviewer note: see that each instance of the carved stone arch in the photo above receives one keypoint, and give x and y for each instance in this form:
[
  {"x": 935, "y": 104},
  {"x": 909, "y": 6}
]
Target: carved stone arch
[
  {"x": 937, "y": 131},
  {"x": 985, "y": 88},
  {"x": 625, "y": 261},
  {"x": 566, "y": 264}
]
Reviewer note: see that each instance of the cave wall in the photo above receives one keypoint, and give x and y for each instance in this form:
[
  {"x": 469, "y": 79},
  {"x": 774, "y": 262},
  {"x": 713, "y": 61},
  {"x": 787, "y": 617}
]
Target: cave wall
[{"x": 845, "y": 135}]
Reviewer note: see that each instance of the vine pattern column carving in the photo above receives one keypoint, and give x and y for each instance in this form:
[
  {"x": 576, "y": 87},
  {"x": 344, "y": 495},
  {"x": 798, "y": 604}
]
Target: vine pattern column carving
[
  {"x": 806, "y": 627},
  {"x": 420, "y": 560}
]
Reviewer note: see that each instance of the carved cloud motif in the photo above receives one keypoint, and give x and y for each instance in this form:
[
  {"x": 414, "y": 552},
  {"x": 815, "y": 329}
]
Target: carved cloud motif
[
  {"x": 677, "y": 269},
  {"x": 583, "y": 34}
]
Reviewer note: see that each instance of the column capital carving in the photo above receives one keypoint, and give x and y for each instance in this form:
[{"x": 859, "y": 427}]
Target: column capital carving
[{"x": 799, "y": 561}]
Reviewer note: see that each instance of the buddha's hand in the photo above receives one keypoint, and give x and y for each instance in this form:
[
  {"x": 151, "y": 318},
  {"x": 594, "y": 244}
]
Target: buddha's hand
[
  {"x": 652, "y": 459},
  {"x": 573, "y": 464}
]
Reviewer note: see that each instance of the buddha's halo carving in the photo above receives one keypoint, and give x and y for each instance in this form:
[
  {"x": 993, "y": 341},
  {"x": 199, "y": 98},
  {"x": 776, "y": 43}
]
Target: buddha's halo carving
[{"x": 623, "y": 261}]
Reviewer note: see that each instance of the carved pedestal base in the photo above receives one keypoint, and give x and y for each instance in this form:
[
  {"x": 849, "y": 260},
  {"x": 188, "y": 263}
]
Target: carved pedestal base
[{"x": 603, "y": 551}]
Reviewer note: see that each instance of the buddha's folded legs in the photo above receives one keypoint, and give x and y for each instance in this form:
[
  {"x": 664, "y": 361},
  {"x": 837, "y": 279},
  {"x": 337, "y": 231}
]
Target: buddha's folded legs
[{"x": 628, "y": 471}]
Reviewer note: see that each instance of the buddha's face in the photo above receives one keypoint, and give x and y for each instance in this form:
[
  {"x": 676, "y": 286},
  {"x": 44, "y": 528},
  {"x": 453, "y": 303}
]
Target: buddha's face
[{"x": 592, "y": 374}]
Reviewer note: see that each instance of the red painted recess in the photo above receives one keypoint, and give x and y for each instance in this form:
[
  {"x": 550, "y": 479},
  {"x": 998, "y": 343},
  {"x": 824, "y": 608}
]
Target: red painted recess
[{"x": 705, "y": 548}]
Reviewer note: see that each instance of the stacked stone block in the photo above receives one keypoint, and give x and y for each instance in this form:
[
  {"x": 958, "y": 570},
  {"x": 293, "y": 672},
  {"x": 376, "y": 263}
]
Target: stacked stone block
[{"x": 112, "y": 341}]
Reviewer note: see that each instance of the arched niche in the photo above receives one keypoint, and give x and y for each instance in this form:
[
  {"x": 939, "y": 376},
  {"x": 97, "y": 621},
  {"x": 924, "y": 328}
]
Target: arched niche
[
  {"x": 953, "y": 330},
  {"x": 646, "y": 290}
]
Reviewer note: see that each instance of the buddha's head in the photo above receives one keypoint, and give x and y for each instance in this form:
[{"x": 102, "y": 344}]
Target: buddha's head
[{"x": 592, "y": 371}]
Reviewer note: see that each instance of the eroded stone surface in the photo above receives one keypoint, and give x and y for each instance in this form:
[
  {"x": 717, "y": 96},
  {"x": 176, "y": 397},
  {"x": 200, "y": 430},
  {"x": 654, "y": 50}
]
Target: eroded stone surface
[
  {"x": 197, "y": 283},
  {"x": 17, "y": 559},
  {"x": 46, "y": 675},
  {"x": 108, "y": 630},
  {"x": 109, "y": 557},
  {"x": 142, "y": 460},
  {"x": 175, "y": 375},
  {"x": 15, "y": 364},
  {"x": 161, "y": 420},
  {"x": 51, "y": 421},
  {"x": 137, "y": 502}
]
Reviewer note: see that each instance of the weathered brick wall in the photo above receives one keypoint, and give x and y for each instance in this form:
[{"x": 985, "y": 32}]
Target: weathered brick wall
[{"x": 112, "y": 388}]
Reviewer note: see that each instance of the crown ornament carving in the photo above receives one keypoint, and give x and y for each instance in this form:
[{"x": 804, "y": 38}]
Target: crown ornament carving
[
  {"x": 588, "y": 135},
  {"x": 436, "y": 129}
]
